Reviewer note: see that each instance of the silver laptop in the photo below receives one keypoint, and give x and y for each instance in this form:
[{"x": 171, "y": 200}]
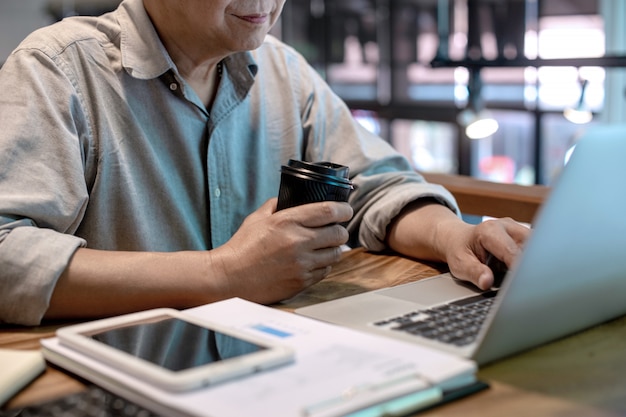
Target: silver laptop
[{"x": 571, "y": 276}]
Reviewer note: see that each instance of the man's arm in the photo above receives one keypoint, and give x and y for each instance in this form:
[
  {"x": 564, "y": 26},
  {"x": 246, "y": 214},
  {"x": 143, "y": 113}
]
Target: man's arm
[
  {"x": 273, "y": 256},
  {"x": 100, "y": 283}
]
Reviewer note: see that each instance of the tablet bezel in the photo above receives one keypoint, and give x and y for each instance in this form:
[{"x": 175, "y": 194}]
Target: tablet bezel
[{"x": 79, "y": 338}]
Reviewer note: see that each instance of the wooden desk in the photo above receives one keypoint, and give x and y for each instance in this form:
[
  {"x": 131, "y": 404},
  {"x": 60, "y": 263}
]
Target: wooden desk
[{"x": 582, "y": 375}]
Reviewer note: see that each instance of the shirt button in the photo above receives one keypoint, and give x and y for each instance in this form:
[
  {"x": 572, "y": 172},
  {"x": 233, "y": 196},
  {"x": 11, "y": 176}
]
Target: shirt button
[
  {"x": 218, "y": 192},
  {"x": 173, "y": 86}
]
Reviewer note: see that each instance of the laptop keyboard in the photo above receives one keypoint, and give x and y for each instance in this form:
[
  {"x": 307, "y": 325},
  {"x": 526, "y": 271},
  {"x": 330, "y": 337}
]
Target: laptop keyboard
[
  {"x": 91, "y": 402},
  {"x": 456, "y": 323}
]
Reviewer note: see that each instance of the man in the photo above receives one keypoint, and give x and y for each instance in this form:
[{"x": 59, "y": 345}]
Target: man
[{"x": 139, "y": 161}]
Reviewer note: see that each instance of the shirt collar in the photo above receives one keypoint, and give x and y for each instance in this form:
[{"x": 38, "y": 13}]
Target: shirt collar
[{"x": 143, "y": 53}]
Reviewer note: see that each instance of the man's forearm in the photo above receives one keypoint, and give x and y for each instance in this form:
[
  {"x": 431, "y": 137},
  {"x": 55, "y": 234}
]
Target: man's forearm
[
  {"x": 103, "y": 283},
  {"x": 422, "y": 230}
]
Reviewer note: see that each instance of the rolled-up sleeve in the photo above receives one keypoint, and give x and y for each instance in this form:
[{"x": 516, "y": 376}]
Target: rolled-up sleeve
[{"x": 32, "y": 259}]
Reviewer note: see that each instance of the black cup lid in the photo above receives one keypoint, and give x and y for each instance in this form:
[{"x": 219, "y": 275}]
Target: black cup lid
[{"x": 324, "y": 168}]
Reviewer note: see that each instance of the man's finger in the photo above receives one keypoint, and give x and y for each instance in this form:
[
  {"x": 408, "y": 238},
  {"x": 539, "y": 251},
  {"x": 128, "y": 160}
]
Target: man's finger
[{"x": 320, "y": 214}]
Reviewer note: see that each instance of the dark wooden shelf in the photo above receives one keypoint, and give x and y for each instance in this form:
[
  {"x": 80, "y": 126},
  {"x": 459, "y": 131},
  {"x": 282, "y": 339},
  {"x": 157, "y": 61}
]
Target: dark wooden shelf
[{"x": 486, "y": 198}]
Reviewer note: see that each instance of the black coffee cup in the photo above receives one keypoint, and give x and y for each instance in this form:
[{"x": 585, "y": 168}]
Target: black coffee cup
[{"x": 310, "y": 182}]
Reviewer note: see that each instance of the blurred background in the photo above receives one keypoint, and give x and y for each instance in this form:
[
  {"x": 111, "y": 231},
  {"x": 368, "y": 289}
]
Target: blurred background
[{"x": 494, "y": 89}]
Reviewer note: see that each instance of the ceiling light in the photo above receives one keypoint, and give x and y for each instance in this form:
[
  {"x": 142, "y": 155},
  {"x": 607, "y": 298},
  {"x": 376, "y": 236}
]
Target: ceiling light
[
  {"x": 579, "y": 114},
  {"x": 482, "y": 127},
  {"x": 477, "y": 122}
]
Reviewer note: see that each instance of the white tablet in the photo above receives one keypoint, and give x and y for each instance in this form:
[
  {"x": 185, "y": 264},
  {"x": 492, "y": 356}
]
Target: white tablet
[{"x": 172, "y": 350}]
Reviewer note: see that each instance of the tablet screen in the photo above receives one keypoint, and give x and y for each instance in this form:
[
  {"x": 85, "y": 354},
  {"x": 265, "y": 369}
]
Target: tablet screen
[{"x": 175, "y": 344}]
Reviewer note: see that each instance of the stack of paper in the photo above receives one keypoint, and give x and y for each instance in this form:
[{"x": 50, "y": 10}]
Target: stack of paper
[{"x": 337, "y": 371}]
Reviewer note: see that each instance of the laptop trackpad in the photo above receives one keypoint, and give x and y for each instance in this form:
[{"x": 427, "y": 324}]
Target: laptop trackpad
[{"x": 431, "y": 291}]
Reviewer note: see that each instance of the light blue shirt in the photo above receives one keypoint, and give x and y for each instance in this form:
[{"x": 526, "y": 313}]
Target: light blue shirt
[{"x": 104, "y": 145}]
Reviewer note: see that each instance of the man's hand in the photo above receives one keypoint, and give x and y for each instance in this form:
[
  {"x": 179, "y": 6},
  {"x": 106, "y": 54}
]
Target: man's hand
[
  {"x": 431, "y": 231},
  {"x": 470, "y": 248},
  {"x": 275, "y": 255}
]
